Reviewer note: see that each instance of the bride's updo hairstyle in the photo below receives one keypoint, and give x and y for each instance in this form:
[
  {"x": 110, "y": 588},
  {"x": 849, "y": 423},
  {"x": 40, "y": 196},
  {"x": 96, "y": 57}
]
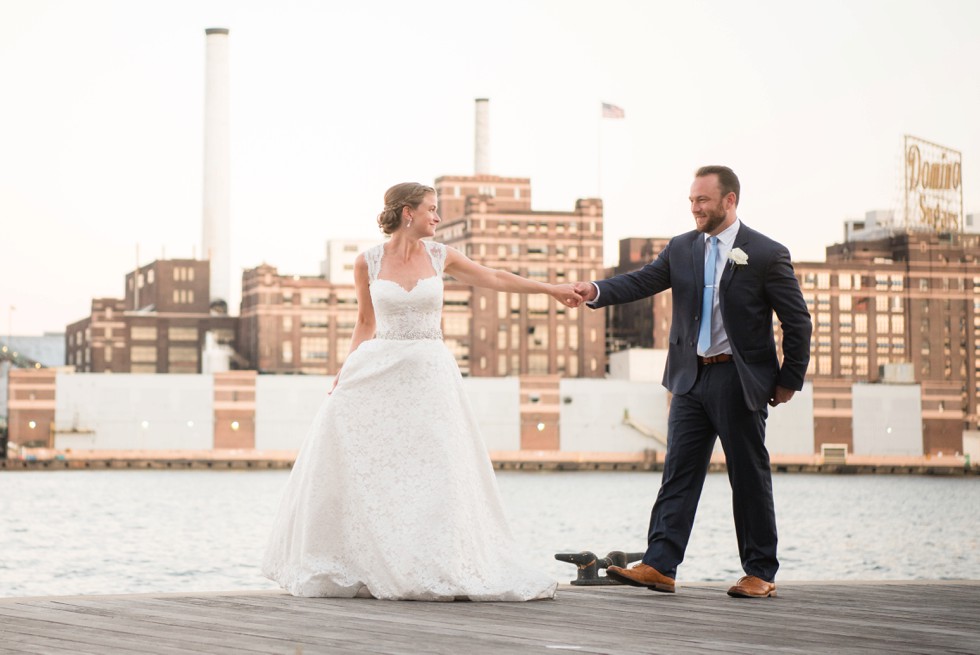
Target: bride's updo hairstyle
[{"x": 406, "y": 194}]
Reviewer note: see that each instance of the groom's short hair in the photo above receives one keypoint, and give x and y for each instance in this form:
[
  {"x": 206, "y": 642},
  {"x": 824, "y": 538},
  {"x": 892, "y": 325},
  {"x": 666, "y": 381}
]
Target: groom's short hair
[{"x": 727, "y": 179}]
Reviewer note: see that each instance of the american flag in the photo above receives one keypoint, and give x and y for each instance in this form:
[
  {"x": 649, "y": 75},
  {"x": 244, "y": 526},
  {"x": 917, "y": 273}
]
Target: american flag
[{"x": 612, "y": 111}]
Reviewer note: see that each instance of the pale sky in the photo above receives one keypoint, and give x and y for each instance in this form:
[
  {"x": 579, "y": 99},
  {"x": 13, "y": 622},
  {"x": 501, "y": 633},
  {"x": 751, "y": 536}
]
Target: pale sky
[{"x": 102, "y": 116}]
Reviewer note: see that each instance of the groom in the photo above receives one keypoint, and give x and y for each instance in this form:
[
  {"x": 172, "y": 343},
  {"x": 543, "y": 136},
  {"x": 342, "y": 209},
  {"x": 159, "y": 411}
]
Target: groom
[{"x": 722, "y": 367}]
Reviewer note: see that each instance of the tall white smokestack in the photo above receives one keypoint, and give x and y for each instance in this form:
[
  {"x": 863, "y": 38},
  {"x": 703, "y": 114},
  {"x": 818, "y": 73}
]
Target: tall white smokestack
[
  {"x": 216, "y": 244},
  {"x": 482, "y": 150}
]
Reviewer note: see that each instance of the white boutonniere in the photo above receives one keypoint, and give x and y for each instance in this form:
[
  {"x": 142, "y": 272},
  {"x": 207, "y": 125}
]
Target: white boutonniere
[{"x": 737, "y": 257}]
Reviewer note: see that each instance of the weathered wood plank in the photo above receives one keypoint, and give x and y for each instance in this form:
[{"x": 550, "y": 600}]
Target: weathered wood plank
[{"x": 806, "y": 617}]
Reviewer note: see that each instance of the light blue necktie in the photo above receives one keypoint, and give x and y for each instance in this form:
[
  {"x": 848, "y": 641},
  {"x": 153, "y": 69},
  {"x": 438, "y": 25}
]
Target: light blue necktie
[{"x": 707, "y": 304}]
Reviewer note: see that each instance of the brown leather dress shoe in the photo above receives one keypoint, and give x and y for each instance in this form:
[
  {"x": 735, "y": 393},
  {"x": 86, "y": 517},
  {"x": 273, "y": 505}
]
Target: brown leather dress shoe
[
  {"x": 642, "y": 575},
  {"x": 749, "y": 586}
]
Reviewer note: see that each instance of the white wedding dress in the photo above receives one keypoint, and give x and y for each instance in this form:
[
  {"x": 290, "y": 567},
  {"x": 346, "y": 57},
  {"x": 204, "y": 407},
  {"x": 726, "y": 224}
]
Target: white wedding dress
[{"x": 393, "y": 494}]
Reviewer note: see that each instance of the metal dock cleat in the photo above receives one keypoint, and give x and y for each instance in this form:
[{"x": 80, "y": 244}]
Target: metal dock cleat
[{"x": 589, "y": 565}]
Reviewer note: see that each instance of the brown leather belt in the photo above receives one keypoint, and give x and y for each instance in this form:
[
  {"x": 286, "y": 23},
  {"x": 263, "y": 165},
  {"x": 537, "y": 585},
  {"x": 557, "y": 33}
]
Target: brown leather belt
[{"x": 714, "y": 359}]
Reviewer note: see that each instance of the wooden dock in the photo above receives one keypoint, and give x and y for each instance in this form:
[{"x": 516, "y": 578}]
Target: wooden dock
[{"x": 811, "y": 617}]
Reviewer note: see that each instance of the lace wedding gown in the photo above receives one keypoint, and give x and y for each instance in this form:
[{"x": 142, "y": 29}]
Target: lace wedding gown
[{"x": 393, "y": 494}]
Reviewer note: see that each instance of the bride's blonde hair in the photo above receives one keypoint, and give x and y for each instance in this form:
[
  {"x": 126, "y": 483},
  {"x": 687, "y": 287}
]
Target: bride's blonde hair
[{"x": 406, "y": 194}]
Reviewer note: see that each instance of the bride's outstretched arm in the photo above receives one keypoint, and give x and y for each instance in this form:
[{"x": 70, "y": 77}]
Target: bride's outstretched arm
[
  {"x": 364, "y": 327},
  {"x": 467, "y": 271}
]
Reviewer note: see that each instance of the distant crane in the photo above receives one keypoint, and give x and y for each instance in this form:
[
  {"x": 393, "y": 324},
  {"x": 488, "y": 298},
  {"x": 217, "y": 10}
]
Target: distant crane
[
  {"x": 16, "y": 359},
  {"x": 644, "y": 429}
]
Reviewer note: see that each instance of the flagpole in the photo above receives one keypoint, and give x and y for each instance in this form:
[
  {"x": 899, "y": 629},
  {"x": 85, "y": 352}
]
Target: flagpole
[{"x": 598, "y": 158}]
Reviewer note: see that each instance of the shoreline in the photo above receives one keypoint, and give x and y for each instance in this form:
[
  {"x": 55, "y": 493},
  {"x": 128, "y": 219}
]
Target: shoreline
[{"x": 540, "y": 461}]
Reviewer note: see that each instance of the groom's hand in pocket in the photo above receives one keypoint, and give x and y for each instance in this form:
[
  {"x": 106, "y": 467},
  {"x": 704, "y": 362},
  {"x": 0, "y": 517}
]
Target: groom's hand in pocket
[{"x": 780, "y": 395}]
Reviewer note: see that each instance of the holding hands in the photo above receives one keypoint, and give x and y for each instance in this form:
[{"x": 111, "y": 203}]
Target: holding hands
[
  {"x": 586, "y": 290},
  {"x": 566, "y": 294}
]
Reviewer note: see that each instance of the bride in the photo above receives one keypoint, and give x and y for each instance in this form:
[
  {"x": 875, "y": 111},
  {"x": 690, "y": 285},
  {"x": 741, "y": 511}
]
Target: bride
[{"x": 393, "y": 494}]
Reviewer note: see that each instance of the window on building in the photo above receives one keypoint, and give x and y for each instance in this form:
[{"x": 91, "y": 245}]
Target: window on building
[
  {"x": 287, "y": 323},
  {"x": 143, "y": 333},
  {"x": 107, "y": 354},
  {"x": 314, "y": 321},
  {"x": 313, "y": 349},
  {"x": 538, "y": 304},
  {"x": 287, "y": 352},
  {"x": 314, "y": 297},
  {"x": 182, "y": 355},
  {"x": 182, "y": 334},
  {"x": 455, "y": 325},
  {"x": 539, "y": 336},
  {"x": 537, "y": 364}
]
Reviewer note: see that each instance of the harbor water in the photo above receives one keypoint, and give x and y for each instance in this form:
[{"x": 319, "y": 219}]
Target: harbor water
[{"x": 101, "y": 532}]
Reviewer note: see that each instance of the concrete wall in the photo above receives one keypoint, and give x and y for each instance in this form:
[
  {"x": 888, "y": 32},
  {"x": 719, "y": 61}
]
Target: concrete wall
[
  {"x": 496, "y": 404},
  {"x": 971, "y": 446},
  {"x": 286, "y": 404},
  {"x": 592, "y": 414},
  {"x": 176, "y": 412},
  {"x": 134, "y": 411},
  {"x": 887, "y": 419},
  {"x": 638, "y": 365},
  {"x": 789, "y": 429},
  {"x": 284, "y": 408}
]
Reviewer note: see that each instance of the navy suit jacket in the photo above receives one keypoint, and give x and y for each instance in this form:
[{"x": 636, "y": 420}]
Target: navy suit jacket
[{"x": 748, "y": 295}]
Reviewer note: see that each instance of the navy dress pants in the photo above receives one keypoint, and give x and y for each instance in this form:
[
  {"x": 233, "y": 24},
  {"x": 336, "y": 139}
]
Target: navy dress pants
[{"x": 715, "y": 407}]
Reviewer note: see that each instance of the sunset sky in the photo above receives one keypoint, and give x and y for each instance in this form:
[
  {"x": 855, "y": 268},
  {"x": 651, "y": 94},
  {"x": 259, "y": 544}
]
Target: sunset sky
[{"x": 102, "y": 116}]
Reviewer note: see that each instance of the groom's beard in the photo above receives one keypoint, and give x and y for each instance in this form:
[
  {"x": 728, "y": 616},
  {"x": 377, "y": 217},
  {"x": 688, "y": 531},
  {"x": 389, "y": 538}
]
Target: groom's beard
[{"x": 709, "y": 220}]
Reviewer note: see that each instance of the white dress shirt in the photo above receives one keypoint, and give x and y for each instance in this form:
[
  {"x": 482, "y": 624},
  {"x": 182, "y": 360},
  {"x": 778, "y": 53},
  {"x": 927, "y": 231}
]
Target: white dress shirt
[{"x": 719, "y": 338}]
